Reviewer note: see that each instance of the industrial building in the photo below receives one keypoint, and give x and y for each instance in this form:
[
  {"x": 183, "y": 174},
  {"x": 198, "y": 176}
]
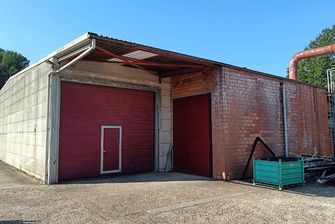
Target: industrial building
[{"x": 102, "y": 106}]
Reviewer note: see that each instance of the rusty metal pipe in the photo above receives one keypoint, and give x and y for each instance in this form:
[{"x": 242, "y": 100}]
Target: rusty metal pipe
[{"x": 293, "y": 65}]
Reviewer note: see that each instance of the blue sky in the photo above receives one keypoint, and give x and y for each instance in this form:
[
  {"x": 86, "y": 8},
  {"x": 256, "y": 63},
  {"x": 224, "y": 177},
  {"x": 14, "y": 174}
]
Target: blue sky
[{"x": 259, "y": 34}]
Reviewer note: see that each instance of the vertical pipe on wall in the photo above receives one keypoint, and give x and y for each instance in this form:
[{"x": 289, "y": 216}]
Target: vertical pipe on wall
[
  {"x": 284, "y": 118},
  {"x": 158, "y": 120}
]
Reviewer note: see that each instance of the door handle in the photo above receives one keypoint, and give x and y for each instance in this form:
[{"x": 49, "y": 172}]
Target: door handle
[{"x": 105, "y": 151}]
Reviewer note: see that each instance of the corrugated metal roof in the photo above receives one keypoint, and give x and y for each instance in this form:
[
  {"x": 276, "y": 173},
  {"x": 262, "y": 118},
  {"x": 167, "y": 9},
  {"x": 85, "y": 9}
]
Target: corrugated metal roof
[
  {"x": 120, "y": 48},
  {"x": 158, "y": 61},
  {"x": 180, "y": 56},
  {"x": 130, "y": 45}
]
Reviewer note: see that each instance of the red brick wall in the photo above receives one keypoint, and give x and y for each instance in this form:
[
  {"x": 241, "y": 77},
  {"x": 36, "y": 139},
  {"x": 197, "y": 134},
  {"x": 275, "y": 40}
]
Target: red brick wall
[
  {"x": 192, "y": 84},
  {"x": 251, "y": 108},
  {"x": 323, "y": 132},
  {"x": 246, "y": 105},
  {"x": 307, "y": 120}
]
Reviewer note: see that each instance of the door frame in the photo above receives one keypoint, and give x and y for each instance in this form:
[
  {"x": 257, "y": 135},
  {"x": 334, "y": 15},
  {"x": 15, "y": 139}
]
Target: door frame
[{"x": 103, "y": 127}]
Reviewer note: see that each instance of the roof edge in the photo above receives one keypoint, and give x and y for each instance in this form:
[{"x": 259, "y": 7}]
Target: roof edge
[
  {"x": 217, "y": 63},
  {"x": 86, "y": 37},
  {"x": 79, "y": 41}
]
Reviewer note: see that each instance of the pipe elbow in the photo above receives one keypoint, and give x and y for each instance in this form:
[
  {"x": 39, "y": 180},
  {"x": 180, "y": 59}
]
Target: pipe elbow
[
  {"x": 293, "y": 65},
  {"x": 333, "y": 48}
]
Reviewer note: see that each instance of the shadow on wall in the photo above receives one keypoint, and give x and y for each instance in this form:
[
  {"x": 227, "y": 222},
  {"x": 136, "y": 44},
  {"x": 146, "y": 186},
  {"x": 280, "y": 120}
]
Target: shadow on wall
[{"x": 137, "y": 178}]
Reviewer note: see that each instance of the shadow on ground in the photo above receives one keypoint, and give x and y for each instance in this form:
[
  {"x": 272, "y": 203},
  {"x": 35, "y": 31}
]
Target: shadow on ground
[
  {"x": 315, "y": 189},
  {"x": 17, "y": 222},
  {"x": 143, "y": 177},
  {"x": 311, "y": 188}
]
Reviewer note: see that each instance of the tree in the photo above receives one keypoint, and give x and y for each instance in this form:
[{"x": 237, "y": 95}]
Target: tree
[
  {"x": 11, "y": 62},
  {"x": 314, "y": 70}
]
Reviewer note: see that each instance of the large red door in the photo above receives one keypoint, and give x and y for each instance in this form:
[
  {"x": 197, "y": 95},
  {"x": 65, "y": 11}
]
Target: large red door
[
  {"x": 191, "y": 135},
  {"x": 84, "y": 110}
]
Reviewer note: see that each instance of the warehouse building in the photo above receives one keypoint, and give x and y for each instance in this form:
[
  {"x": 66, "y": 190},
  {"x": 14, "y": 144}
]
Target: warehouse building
[{"x": 100, "y": 106}]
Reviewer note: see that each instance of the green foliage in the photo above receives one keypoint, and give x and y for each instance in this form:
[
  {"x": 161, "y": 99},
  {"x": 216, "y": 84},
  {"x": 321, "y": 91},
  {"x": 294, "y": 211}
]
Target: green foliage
[
  {"x": 11, "y": 62},
  {"x": 314, "y": 70}
]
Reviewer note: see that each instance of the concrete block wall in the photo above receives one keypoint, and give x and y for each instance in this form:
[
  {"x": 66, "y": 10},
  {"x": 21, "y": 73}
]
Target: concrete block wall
[
  {"x": 116, "y": 75},
  {"x": 246, "y": 105},
  {"x": 23, "y": 120},
  {"x": 165, "y": 127}
]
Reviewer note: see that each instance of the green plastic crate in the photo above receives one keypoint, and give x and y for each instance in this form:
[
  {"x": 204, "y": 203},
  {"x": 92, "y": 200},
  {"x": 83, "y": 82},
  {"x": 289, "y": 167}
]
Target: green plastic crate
[{"x": 281, "y": 172}]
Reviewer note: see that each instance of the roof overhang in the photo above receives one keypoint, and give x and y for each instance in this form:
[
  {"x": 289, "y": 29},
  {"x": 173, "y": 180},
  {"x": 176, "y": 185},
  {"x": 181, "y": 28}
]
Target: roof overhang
[{"x": 156, "y": 61}]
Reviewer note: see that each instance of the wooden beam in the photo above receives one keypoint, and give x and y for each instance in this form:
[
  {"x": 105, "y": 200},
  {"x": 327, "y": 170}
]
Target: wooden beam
[
  {"x": 127, "y": 60},
  {"x": 182, "y": 72},
  {"x": 156, "y": 64}
]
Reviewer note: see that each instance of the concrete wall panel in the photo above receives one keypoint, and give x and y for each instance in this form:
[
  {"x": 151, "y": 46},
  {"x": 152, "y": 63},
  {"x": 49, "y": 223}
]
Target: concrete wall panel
[{"x": 23, "y": 120}]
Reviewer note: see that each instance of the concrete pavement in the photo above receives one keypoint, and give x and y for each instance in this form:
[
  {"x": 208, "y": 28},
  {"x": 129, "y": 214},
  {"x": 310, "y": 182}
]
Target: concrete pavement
[{"x": 158, "y": 198}]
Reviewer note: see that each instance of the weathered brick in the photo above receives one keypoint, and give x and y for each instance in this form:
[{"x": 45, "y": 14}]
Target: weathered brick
[{"x": 246, "y": 105}]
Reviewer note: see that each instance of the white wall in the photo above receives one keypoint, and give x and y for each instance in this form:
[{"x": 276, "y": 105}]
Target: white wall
[
  {"x": 95, "y": 72},
  {"x": 23, "y": 120}
]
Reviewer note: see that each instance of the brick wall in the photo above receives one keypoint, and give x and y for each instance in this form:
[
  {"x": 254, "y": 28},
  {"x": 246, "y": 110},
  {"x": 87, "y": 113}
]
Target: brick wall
[
  {"x": 251, "y": 108},
  {"x": 192, "y": 84},
  {"x": 307, "y": 120},
  {"x": 246, "y": 105}
]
